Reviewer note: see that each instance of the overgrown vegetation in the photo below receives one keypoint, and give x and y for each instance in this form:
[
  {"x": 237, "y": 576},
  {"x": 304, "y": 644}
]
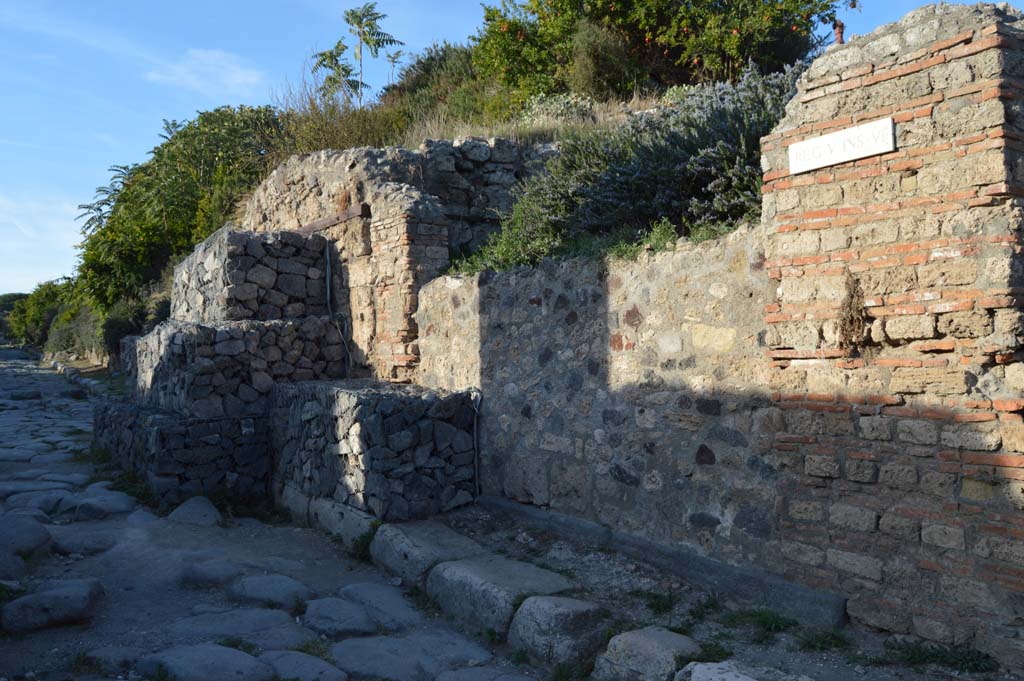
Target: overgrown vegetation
[
  {"x": 916, "y": 653},
  {"x": 819, "y": 641},
  {"x": 761, "y": 624},
  {"x": 696, "y": 166},
  {"x": 361, "y": 545},
  {"x": 535, "y": 70}
]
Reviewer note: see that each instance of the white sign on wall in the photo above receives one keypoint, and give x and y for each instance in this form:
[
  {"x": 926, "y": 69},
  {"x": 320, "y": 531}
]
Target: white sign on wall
[{"x": 861, "y": 141}]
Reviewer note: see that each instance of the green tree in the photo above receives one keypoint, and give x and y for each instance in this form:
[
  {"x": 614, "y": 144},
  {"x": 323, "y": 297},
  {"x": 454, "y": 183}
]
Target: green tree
[
  {"x": 530, "y": 45},
  {"x": 160, "y": 209},
  {"x": 394, "y": 58},
  {"x": 364, "y": 23},
  {"x": 339, "y": 74},
  {"x": 30, "y": 317}
]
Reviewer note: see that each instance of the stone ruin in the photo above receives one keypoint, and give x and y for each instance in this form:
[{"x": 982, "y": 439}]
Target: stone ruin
[
  {"x": 267, "y": 380},
  {"x": 833, "y": 396}
]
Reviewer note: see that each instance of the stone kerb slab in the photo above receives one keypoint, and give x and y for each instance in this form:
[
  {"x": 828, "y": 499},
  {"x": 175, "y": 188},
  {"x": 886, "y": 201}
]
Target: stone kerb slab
[
  {"x": 236, "y": 275},
  {"x": 397, "y": 452}
]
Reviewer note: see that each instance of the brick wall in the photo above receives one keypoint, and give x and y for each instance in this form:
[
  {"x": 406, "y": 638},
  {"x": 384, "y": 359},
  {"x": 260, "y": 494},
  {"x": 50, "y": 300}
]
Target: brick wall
[
  {"x": 839, "y": 399},
  {"x": 903, "y": 472}
]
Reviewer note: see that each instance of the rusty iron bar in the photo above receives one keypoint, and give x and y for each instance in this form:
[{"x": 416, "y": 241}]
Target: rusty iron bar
[{"x": 360, "y": 211}]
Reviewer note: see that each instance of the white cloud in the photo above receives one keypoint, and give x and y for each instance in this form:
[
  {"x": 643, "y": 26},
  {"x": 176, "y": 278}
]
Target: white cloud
[
  {"x": 213, "y": 73},
  {"x": 37, "y": 241}
]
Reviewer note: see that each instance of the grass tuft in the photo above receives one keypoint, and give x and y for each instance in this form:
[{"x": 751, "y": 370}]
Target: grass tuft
[
  {"x": 422, "y": 601},
  {"x": 920, "y": 653},
  {"x": 658, "y": 603},
  {"x": 764, "y": 624},
  {"x": 819, "y": 641},
  {"x": 238, "y": 644},
  {"x": 709, "y": 652},
  {"x": 361, "y": 545},
  {"x": 315, "y": 647}
]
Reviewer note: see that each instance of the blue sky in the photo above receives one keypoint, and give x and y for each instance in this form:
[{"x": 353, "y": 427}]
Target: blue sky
[{"x": 84, "y": 86}]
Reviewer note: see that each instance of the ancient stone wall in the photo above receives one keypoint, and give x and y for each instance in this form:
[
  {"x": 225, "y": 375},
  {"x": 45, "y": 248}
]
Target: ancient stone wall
[
  {"x": 395, "y": 452},
  {"x": 228, "y": 370},
  {"x": 393, "y": 216},
  {"x": 846, "y": 408},
  {"x": 634, "y": 395},
  {"x": 471, "y": 178},
  {"x": 180, "y": 457},
  {"x": 902, "y": 438},
  {"x": 236, "y": 275}
]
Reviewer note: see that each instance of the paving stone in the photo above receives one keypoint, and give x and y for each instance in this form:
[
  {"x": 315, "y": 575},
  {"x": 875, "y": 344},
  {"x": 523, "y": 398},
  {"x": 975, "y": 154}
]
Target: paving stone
[
  {"x": 208, "y": 573},
  {"x": 73, "y": 479},
  {"x": 483, "y": 592},
  {"x": 53, "y": 603},
  {"x": 482, "y": 674},
  {"x": 12, "y": 566},
  {"x": 15, "y": 456},
  {"x": 269, "y": 629},
  {"x": 58, "y": 457},
  {"x": 301, "y": 667},
  {"x": 555, "y": 630},
  {"x": 22, "y": 535},
  {"x": 338, "y": 617},
  {"x": 196, "y": 511},
  {"x": 418, "y": 656},
  {"x": 205, "y": 662},
  {"x": 69, "y": 540},
  {"x": 385, "y": 605},
  {"x": 51, "y": 502},
  {"x": 280, "y": 590},
  {"x": 410, "y": 550},
  {"x": 114, "y": 659},
  {"x": 12, "y": 487},
  {"x": 647, "y": 654}
]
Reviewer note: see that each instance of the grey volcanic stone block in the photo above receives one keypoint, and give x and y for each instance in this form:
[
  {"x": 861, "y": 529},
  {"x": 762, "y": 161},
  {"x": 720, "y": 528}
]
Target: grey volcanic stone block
[
  {"x": 410, "y": 550},
  {"x": 11, "y": 566},
  {"x": 718, "y": 671},
  {"x": 114, "y": 659},
  {"x": 196, "y": 511},
  {"x": 336, "y": 617},
  {"x": 301, "y": 667},
  {"x": 270, "y": 629},
  {"x": 556, "y": 630},
  {"x": 482, "y": 674},
  {"x": 215, "y": 572},
  {"x": 485, "y": 590},
  {"x": 205, "y": 662},
  {"x": 385, "y": 605},
  {"x": 86, "y": 544},
  {"x": 419, "y": 656},
  {"x": 13, "y": 487},
  {"x": 54, "y": 603},
  {"x": 22, "y": 535},
  {"x": 280, "y": 590},
  {"x": 647, "y": 654}
]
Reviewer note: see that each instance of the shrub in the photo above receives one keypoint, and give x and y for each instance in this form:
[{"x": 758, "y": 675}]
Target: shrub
[
  {"x": 30, "y": 317},
  {"x": 697, "y": 165},
  {"x": 566, "y": 108},
  {"x": 125, "y": 318},
  {"x": 600, "y": 66}
]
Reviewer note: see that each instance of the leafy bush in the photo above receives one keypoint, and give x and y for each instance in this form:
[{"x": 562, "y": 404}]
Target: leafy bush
[
  {"x": 676, "y": 94},
  {"x": 154, "y": 210},
  {"x": 543, "y": 46},
  {"x": 125, "y": 318},
  {"x": 30, "y": 317},
  {"x": 568, "y": 108},
  {"x": 601, "y": 67},
  {"x": 696, "y": 165},
  {"x": 75, "y": 329}
]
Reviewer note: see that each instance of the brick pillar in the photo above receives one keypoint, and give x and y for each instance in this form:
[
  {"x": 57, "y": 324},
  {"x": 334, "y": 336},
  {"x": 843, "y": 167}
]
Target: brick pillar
[{"x": 896, "y": 331}]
